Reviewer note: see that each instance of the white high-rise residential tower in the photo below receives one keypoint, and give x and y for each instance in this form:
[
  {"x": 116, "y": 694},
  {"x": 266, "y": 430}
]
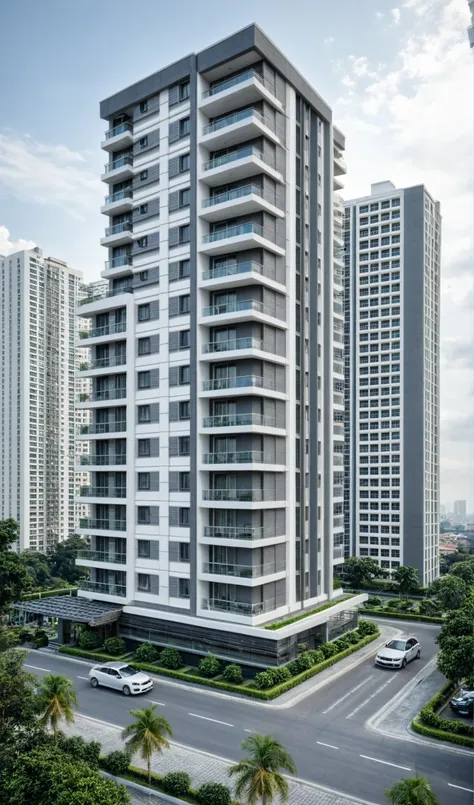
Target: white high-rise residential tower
[
  {"x": 392, "y": 335},
  {"x": 216, "y": 356},
  {"x": 38, "y": 298}
]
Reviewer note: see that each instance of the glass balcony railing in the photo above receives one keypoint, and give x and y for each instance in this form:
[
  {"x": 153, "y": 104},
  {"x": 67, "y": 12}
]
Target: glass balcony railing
[
  {"x": 102, "y": 556},
  {"x": 229, "y": 120},
  {"x": 125, "y": 226},
  {"x": 233, "y": 532},
  {"x": 123, "y": 128},
  {"x": 121, "y": 260},
  {"x": 106, "y": 329},
  {"x": 103, "y": 492},
  {"x": 233, "y": 156},
  {"x": 232, "y": 195},
  {"x": 102, "y": 524},
  {"x": 244, "y": 381},
  {"x": 249, "y": 495},
  {"x": 238, "y": 420},
  {"x": 222, "y": 86},
  {"x": 121, "y": 162},
  {"x": 338, "y": 552},
  {"x": 128, "y": 288},
  {"x": 233, "y": 343},
  {"x": 238, "y": 607},
  {"x": 231, "y": 269},
  {"x": 234, "y": 307},
  {"x": 234, "y": 232},
  {"x": 242, "y": 571},
  {"x": 120, "y": 195},
  {"x": 109, "y": 588},
  {"x": 103, "y": 363},
  {"x": 102, "y": 461},
  {"x": 237, "y": 457},
  {"x": 102, "y": 427},
  {"x": 100, "y": 396},
  {"x": 338, "y": 459}
]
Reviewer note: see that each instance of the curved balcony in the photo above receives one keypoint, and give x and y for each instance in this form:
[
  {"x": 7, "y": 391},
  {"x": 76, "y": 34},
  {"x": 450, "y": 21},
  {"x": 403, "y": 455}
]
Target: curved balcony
[
  {"x": 237, "y": 457},
  {"x": 239, "y": 164},
  {"x": 116, "y": 203},
  {"x": 240, "y": 201},
  {"x": 101, "y": 556},
  {"x": 240, "y": 90},
  {"x": 118, "y": 137},
  {"x": 117, "y": 234},
  {"x": 239, "y": 420},
  {"x": 233, "y": 532},
  {"x": 247, "y": 124},
  {"x": 102, "y": 492},
  {"x": 239, "y": 238},
  {"x": 118, "y": 170}
]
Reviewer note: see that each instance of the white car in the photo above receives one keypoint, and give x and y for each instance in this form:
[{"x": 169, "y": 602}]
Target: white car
[
  {"x": 120, "y": 676},
  {"x": 397, "y": 653}
]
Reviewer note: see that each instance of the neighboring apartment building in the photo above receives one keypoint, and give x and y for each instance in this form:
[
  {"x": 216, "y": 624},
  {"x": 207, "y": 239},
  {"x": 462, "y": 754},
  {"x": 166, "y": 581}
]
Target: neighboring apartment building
[
  {"x": 216, "y": 359},
  {"x": 470, "y": 30},
  {"x": 38, "y": 298},
  {"x": 460, "y": 510},
  {"x": 392, "y": 281}
]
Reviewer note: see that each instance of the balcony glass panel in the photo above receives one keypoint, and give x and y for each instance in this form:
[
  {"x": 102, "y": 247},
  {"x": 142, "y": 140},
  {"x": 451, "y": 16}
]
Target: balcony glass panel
[
  {"x": 239, "y": 494},
  {"x": 233, "y": 232},
  {"x": 232, "y": 532},
  {"x": 242, "y": 571},
  {"x": 234, "y": 307},
  {"x": 121, "y": 129},
  {"x": 234, "y": 81},
  {"x": 108, "y": 394},
  {"x": 236, "y": 382},
  {"x": 103, "y": 492},
  {"x": 118, "y": 163},
  {"x": 126, "y": 226},
  {"x": 103, "y": 525},
  {"x": 232, "y": 156},
  {"x": 231, "y": 195},
  {"x": 107, "y": 329},
  {"x": 116, "y": 262},
  {"x": 234, "y": 343},
  {"x": 101, "y": 461},
  {"x": 229, "y": 120},
  {"x": 238, "y": 607},
  {"x": 103, "y": 427},
  {"x": 102, "y": 556},
  {"x": 119, "y": 196},
  {"x": 230, "y": 269},
  {"x": 109, "y": 588},
  {"x": 236, "y": 420},
  {"x": 239, "y": 457}
]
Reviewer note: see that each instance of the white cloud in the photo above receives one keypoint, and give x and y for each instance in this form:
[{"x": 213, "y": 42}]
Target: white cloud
[
  {"x": 329, "y": 40},
  {"x": 8, "y": 246},
  {"x": 395, "y": 15},
  {"x": 379, "y": 15},
  {"x": 47, "y": 174}
]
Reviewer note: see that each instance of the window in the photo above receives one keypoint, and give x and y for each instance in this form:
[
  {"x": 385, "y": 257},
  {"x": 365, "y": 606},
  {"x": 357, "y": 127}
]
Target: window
[
  {"x": 184, "y": 481},
  {"x": 143, "y": 515},
  {"x": 144, "y": 481},
  {"x": 184, "y": 269},
  {"x": 143, "y": 276},
  {"x": 184, "y": 233},
  {"x": 184, "y": 89},
  {"x": 144, "y": 414},
  {"x": 183, "y": 589},
  {"x": 184, "y": 163},
  {"x": 143, "y": 176},
  {"x": 184, "y": 409},
  {"x": 184, "y": 551},
  {"x": 183, "y": 445},
  {"x": 143, "y": 142},
  {"x": 184, "y": 127},
  {"x": 144, "y": 380},
  {"x": 183, "y": 517},
  {"x": 143, "y": 548},
  {"x": 144, "y": 346},
  {"x": 143, "y": 582},
  {"x": 142, "y": 242},
  {"x": 143, "y": 106},
  {"x": 185, "y": 197},
  {"x": 185, "y": 339},
  {"x": 144, "y": 312},
  {"x": 144, "y": 450},
  {"x": 184, "y": 303},
  {"x": 143, "y": 209},
  {"x": 184, "y": 375}
]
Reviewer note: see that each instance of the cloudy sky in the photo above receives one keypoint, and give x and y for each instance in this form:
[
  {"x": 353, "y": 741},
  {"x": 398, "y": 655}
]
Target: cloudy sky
[{"x": 398, "y": 75}]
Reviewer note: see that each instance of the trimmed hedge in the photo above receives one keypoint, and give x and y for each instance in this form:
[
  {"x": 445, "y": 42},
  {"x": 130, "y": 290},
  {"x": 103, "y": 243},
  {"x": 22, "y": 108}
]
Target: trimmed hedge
[
  {"x": 402, "y": 616},
  {"x": 280, "y": 624},
  {"x": 429, "y": 717},
  {"x": 247, "y": 690},
  {"x": 441, "y": 735},
  {"x": 48, "y": 593}
]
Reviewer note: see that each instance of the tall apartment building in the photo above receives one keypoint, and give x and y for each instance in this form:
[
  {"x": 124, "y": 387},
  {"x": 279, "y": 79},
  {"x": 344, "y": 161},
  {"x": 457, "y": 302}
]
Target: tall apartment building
[
  {"x": 460, "y": 510},
  {"x": 38, "y": 298},
  {"x": 216, "y": 357},
  {"x": 392, "y": 280},
  {"x": 470, "y": 30}
]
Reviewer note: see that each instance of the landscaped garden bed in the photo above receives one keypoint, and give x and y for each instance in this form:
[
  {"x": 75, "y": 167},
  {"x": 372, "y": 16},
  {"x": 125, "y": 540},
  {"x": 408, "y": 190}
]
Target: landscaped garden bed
[
  {"x": 288, "y": 621},
  {"x": 430, "y": 724},
  {"x": 425, "y": 611},
  {"x": 268, "y": 684}
]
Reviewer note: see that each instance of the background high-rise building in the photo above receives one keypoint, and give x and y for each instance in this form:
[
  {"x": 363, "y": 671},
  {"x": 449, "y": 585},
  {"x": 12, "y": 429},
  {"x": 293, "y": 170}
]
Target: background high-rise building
[
  {"x": 393, "y": 242},
  {"x": 470, "y": 30},
  {"x": 216, "y": 359},
  {"x": 38, "y": 297},
  {"x": 460, "y": 510}
]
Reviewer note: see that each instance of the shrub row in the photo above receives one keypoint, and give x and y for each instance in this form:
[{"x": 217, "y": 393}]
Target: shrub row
[
  {"x": 429, "y": 718},
  {"x": 48, "y": 594},
  {"x": 280, "y": 624},
  {"x": 207, "y": 794},
  {"x": 441, "y": 735},
  {"x": 402, "y": 616}
]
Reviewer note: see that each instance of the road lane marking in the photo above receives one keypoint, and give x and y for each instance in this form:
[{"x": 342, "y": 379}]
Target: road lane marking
[
  {"x": 37, "y": 668},
  {"x": 205, "y": 718},
  {"x": 160, "y": 704},
  {"x": 372, "y": 696},
  {"x": 343, "y": 698},
  {"x": 248, "y": 730},
  {"x": 461, "y": 788},
  {"x": 83, "y": 677},
  {"x": 330, "y": 746},
  {"x": 386, "y": 763}
]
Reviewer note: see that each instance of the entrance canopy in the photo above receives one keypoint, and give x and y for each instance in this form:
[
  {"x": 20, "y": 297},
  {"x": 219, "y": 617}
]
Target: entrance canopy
[{"x": 71, "y": 608}]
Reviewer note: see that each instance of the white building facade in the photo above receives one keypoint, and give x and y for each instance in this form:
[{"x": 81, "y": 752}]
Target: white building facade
[
  {"x": 392, "y": 336},
  {"x": 38, "y": 298},
  {"x": 216, "y": 357}
]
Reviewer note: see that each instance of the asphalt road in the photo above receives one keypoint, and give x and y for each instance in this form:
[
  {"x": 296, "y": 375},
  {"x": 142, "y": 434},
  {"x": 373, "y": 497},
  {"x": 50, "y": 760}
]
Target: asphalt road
[{"x": 325, "y": 732}]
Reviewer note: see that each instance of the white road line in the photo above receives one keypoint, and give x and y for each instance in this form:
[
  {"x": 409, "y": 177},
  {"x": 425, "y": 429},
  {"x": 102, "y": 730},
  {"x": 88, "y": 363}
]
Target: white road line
[
  {"x": 205, "y": 718},
  {"x": 386, "y": 763},
  {"x": 461, "y": 788},
  {"x": 373, "y": 695},
  {"x": 37, "y": 668},
  {"x": 83, "y": 677},
  {"x": 248, "y": 730},
  {"x": 330, "y": 746},
  {"x": 160, "y": 704},
  {"x": 343, "y": 698}
]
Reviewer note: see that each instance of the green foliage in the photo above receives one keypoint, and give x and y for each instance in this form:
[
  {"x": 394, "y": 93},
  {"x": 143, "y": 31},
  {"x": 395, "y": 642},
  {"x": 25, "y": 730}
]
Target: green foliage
[
  {"x": 450, "y": 591},
  {"x": 147, "y": 734},
  {"x": 265, "y": 679},
  {"x": 305, "y": 661},
  {"x": 8, "y": 533},
  {"x": 57, "y": 698},
  {"x": 394, "y": 603},
  {"x": 89, "y": 640},
  {"x": 177, "y": 783},
  {"x": 19, "y": 703},
  {"x": 214, "y": 794},
  {"x": 115, "y": 646},
  {"x": 233, "y": 673},
  {"x": 146, "y": 652},
  {"x": 41, "y": 641},
  {"x": 404, "y": 616},
  {"x": 293, "y": 667},
  {"x": 25, "y": 636},
  {"x": 259, "y": 776},
  {"x": 171, "y": 658},
  {"x": 209, "y": 666},
  {"x": 406, "y": 579},
  {"x": 116, "y": 763},
  {"x": 456, "y": 640},
  {"x": 8, "y": 639},
  {"x": 353, "y": 638},
  {"x": 373, "y": 601},
  {"x": 79, "y": 749},
  {"x": 328, "y": 650},
  {"x": 13, "y": 579},
  {"x": 440, "y": 735},
  {"x": 411, "y": 791},
  {"x": 288, "y": 621},
  {"x": 63, "y": 559},
  {"x": 429, "y": 607},
  {"x": 367, "y": 628},
  {"x": 281, "y": 674},
  {"x": 356, "y": 571},
  {"x": 464, "y": 570}
]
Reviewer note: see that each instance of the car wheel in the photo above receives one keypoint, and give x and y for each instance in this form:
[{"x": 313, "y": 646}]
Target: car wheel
[
  {"x": 94, "y": 682},
  {"x": 418, "y": 654},
  {"x": 404, "y": 662},
  {"x": 126, "y": 690}
]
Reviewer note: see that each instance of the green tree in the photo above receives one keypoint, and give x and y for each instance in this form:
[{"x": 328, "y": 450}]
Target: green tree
[
  {"x": 57, "y": 698},
  {"x": 456, "y": 641},
  {"x": 464, "y": 570},
  {"x": 412, "y": 791},
  {"x": 358, "y": 571},
  {"x": 450, "y": 591},
  {"x": 37, "y": 566},
  {"x": 19, "y": 704},
  {"x": 147, "y": 734},
  {"x": 14, "y": 579},
  {"x": 8, "y": 533},
  {"x": 63, "y": 559},
  {"x": 407, "y": 579},
  {"x": 259, "y": 777}
]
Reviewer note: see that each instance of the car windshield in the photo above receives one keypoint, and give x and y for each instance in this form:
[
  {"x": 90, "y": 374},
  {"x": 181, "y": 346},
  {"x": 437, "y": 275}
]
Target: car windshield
[
  {"x": 398, "y": 645},
  {"x": 127, "y": 670}
]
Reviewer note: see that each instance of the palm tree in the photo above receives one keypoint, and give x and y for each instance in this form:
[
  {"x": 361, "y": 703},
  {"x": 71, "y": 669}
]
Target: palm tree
[
  {"x": 259, "y": 776},
  {"x": 412, "y": 791},
  {"x": 147, "y": 734},
  {"x": 57, "y": 697}
]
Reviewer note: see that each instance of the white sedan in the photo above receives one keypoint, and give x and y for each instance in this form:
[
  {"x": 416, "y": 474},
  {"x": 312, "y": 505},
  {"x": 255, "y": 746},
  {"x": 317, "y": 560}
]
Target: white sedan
[
  {"x": 397, "y": 653},
  {"x": 120, "y": 676}
]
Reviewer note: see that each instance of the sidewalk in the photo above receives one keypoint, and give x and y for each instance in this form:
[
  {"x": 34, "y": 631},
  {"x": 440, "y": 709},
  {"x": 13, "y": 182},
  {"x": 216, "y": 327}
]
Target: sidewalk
[{"x": 201, "y": 766}]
